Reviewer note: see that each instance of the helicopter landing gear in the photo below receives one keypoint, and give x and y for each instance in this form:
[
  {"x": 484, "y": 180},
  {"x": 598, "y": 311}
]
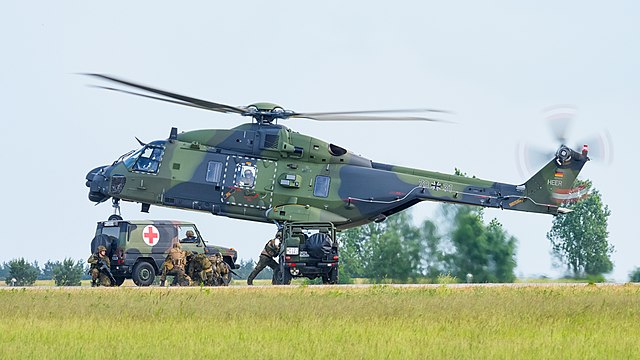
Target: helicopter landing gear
[{"x": 116, "y": 210}]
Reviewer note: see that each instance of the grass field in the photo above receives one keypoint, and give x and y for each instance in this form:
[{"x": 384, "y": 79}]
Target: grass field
[{"x": 579, "y": 322}]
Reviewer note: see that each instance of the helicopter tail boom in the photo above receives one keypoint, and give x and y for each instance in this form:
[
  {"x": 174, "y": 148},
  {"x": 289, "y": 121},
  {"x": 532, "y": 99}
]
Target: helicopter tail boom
[{"x": 552, "y": 186}]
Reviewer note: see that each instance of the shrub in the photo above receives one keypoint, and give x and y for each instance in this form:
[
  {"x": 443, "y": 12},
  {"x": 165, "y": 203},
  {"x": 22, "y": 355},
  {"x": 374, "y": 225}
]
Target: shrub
[
  {"x": 68, "y": 272},
  {"x": 634, "y": 276},
  {"x": 24, "y": 273}
]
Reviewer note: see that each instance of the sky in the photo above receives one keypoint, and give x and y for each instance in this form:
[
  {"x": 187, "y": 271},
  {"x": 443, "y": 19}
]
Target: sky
[{"x": 496, "y": 64}]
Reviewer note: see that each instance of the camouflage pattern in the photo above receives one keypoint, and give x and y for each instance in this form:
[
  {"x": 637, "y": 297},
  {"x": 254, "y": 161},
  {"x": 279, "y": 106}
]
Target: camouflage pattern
[
  {"x": 98, "y": 278},
  {"x": 298, "y": 178},
  {"x": 271, "y": 250},
  {"x": 131, "y": 248},
  {"x": 200, "y": 270},
  {"x": 222, "y": 273}
]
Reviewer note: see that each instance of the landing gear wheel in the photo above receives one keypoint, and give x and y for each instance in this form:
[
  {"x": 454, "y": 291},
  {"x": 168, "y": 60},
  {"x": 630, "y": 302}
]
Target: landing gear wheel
[
  {"x": 115, "y": 203},
  {"x": 119, "y": 280},
  {"x": 143, "y": 274}
]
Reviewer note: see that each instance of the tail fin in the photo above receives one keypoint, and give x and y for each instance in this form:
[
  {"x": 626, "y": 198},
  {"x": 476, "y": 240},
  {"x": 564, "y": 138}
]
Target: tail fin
[{"x": 548, "y": 188}]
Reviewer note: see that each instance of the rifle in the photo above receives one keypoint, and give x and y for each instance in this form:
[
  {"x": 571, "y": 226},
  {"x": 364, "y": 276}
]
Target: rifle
[{"x": 102, "y": 267}]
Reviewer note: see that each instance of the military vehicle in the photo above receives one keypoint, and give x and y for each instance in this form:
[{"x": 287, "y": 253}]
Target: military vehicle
[
  {"x": 264, "y": 171},
  {"x": 137, "y": 248},
  {"x": 308, "y": 250}
]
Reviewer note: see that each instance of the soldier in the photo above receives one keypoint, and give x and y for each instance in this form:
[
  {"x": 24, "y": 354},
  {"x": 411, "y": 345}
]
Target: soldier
[
  {"x": 201, "y": 269},
  {"x": 222, "y": 270},
  {"x": 96, "y": 260},
  {"x": 174, "y": 265},
  {"x": 271, "y": 250},
  {"x": 191, "y": 237}
]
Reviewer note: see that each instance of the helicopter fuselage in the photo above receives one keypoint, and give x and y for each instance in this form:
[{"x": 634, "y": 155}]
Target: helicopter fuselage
[{"x": 267, "y": 173}]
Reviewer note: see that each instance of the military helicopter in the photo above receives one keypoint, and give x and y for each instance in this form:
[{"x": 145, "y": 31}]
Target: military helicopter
[{"x": 264, "y": 171}]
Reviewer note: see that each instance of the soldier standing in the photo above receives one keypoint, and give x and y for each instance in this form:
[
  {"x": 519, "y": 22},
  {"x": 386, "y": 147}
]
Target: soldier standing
[
  {"x": 174, "y": 265},
  {"x": 97, "y": 260},
  {"x": 271, "y": 250}
]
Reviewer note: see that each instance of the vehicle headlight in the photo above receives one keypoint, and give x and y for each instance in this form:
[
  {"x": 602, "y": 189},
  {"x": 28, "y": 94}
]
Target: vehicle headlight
[{"x": 292, "y": 251}]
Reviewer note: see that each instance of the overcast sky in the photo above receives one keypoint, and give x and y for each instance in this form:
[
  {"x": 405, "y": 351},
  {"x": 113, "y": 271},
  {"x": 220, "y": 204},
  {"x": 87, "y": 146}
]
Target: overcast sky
[{"x": 496, "y": 64}]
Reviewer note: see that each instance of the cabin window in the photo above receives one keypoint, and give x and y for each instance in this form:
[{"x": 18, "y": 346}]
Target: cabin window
[
  {"x": 246, "y": 175},
  {"x": 214, "y": 172},
  {"x": 321, "y": 186},
  {"x": 149, "y": 159}
]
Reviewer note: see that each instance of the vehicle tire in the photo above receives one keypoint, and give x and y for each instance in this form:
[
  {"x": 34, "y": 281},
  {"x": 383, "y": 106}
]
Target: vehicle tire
[
  {"x": 119, "y": 280},
  {"x": 143, "y": 274},
  {"x": 281, "y": 277},
  {"x": 115, "y": 217},
  {"x": 331, "y": 277}
]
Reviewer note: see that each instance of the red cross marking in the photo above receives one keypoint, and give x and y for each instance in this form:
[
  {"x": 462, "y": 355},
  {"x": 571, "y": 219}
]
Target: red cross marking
[{"x": 150, "y": 235}]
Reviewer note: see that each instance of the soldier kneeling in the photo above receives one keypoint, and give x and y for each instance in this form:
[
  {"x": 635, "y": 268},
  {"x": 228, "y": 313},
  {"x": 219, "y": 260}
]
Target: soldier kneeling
[
  {"x": 174, "y": 265},
  {"x": 99, "y": 267}
]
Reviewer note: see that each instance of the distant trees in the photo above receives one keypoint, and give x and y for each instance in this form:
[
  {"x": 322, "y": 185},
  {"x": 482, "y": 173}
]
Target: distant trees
[
  {"x": 386, "y": 250},
  {"x": 24, "y": 272},
  {"x": 634, "y": 276},
  {"x": 397, "y": 250},
  {"x": 469, "y": 247},
  {"x": 580, "y": 239},
  {"x": 65, "y": 273},
  {"x": 246, "y": 266},
  {"x": 68, "y": 272}
]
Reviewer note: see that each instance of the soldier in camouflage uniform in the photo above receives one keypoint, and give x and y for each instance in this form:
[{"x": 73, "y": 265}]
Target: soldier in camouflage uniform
[
  {"x": 222, "y": 270},
  {"x": 271, "y": 250},
  {"x": 174, "y": 265},
  {"x": 201, "y": 269},
  {"x": 98, "y": 277}
]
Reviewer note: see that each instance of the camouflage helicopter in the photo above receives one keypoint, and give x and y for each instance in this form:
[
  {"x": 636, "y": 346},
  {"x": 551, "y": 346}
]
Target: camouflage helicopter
[{"x": 264, "y": 171}]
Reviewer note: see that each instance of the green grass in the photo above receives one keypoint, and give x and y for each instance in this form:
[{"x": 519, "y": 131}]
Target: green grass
[{"x": 564, "y": 322}]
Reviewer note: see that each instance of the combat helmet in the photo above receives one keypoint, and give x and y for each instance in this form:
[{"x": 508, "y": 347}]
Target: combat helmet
[{"x": 102, "y": 248}]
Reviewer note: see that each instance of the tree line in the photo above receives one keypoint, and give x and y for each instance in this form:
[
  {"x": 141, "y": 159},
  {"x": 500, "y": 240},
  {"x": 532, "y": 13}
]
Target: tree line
[
  {"x": 461, "y": 247},
  {"x": 20, "y": 272}
]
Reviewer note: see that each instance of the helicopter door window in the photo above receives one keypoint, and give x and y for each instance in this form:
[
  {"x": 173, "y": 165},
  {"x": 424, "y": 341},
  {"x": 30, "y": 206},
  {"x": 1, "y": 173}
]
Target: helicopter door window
[
  {"x": 149, "y": 160},
  {"x": 214, "y": 171},
  {"x": 321, "y": 187},
  {"x": 245, "y": 176}
]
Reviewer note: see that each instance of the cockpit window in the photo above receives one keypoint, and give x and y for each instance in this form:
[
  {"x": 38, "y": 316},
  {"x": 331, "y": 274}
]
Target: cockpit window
[
  {"x": 245, "y": 175},
  {"x": 146, "y": 159}
]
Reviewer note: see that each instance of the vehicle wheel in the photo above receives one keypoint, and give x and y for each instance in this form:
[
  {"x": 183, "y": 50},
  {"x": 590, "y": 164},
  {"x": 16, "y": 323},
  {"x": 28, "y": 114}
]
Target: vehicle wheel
[
  {"x": 143, "y": 274},
  {"x": 115, "y": 217},
  {"x": 281, "y": 277},
  {"x": 331, "y": 277},
  {"x": 119, "y": 280}
]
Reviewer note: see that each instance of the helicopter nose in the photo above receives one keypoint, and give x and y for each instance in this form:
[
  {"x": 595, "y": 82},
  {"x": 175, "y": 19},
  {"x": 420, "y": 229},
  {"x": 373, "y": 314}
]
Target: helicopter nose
[{"x": 97, "y": 184}]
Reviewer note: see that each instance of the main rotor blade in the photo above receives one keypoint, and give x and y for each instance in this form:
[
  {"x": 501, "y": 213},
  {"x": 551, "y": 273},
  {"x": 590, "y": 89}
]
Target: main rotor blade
[
  {"x": 345, "y": 117},
  {"x": 151, "y": 97},
  {"x": 198, "y": 102},
  {"x": 371, "y": 112}
]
